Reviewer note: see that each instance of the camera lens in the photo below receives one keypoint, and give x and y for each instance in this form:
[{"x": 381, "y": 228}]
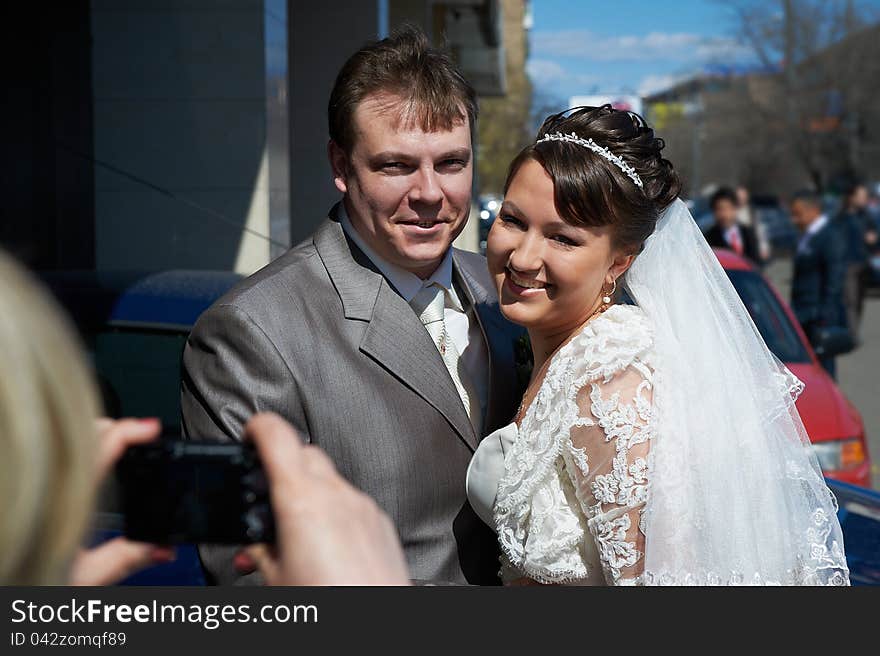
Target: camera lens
[{"x": 255, "y": 521}]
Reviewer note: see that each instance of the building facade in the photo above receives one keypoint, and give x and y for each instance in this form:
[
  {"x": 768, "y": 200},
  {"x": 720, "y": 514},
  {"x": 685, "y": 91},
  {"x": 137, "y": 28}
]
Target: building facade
[{"x": 186, "y": 134}]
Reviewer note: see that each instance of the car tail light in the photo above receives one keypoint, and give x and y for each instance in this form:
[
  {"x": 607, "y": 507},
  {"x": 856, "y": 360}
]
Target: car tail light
[
  {"x": 835, "y": 455},
  {"x": 852, "y": 453}
]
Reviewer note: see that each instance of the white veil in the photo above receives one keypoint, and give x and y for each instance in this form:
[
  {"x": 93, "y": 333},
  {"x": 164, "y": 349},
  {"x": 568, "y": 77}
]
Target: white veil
[{"x": 737, "y": 496}]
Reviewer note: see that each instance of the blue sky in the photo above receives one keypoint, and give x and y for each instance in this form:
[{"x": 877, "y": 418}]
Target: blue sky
[{"x": 630, "y": 46}]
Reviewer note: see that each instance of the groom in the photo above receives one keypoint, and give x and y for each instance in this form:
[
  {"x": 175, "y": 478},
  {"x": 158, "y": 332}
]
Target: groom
[{"x": 380, "y": 342}]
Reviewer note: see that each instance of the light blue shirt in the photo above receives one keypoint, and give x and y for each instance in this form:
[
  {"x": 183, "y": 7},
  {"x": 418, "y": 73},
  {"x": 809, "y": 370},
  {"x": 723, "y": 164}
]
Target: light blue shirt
[
  {"x": 405, "y": 282},
  {"x": 462, "y": 325}
]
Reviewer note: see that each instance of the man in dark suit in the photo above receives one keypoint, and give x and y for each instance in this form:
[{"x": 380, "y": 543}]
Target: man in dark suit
[
  {"x": 819, "y": 270},
  {"x": 727, "y": 232},
  {"x": 379, "y": 341},
  {"x": 858, "y": 230}
]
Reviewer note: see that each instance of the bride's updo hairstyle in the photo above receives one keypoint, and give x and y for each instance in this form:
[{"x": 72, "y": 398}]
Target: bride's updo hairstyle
[{"x": 591, "y": 191}]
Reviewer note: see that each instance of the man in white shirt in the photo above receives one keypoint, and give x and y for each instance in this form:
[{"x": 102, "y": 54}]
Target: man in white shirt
[
  {"x": 462, "y": 323},
  {"x": 379, "y": 341},
  {"x": 727, "y": 232},
  {"x": 810, "y": 225}
]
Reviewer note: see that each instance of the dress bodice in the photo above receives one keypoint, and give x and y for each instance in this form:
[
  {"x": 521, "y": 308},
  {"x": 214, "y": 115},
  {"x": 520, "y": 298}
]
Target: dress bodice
[
  {"x": 486, "y": 469},
  {"x": 565, "y": 490}
]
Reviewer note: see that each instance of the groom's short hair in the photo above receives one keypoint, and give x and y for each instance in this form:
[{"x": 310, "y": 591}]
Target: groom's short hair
[{"x": 434, "y": 94}]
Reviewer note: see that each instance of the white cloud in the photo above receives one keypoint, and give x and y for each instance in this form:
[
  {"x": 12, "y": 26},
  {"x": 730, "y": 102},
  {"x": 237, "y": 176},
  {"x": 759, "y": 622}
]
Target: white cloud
[
  {"x": 652, "y": 84},
  {"x": 546, "y": 72},
  {"x": 681, "y": 46}
]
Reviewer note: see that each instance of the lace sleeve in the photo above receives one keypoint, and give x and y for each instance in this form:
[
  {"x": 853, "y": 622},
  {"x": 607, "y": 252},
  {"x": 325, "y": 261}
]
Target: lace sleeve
[{"x": 607, "y": 460}]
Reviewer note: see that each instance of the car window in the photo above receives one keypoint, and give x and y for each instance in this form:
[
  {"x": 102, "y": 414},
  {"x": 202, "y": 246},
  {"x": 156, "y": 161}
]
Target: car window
[
  {"x": 769, "y": 316},
  {"x": 139, "y": 373}
]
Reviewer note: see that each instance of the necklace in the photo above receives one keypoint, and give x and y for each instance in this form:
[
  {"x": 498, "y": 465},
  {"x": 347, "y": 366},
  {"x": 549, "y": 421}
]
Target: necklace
[{"x": 539, "y": 377}]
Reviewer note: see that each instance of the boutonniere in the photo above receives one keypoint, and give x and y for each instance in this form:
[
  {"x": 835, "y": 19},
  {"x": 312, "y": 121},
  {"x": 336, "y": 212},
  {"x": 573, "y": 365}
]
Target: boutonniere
[{"x": 523, "y": 360}]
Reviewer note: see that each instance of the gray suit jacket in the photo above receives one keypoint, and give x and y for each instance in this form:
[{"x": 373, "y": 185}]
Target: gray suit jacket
[{"x": 321, "y": 338}]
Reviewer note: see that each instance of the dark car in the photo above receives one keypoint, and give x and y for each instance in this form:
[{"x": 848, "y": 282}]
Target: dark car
[
  {"x": 780, "y": 231},
  {"x": 873, "y": 273},
  {"x": 134, "y": 326},
  {"x": 702, "y": 213},
  {"x": 859, "y": 515}
]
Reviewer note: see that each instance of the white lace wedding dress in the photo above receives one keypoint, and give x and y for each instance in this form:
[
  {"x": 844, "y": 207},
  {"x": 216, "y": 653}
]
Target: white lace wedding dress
[
  {"x": 569, "y": 502},
  {"x": 567, "y": 490}
]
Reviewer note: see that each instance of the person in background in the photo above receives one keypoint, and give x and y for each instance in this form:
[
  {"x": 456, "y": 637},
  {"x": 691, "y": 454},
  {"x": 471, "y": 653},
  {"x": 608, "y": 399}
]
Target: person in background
[
  {"x": 860, "y": 235},
  {"x": 873, "y": 210},
  {"x": 819, "y": 270},
  {"x": 747, "y": 217},
  {"x": 56, "y": 452},
  {"x": 727, "y": 232}
]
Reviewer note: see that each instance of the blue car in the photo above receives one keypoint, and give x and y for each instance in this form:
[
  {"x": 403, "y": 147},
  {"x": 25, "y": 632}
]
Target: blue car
[
  {"x": 859, "y": 514},
  {"x": 135, "y": 325}
]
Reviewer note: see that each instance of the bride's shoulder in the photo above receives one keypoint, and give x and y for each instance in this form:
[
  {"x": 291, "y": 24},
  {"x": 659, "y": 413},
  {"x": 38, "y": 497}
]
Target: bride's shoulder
[
  {"x": 623, "y": 315},
  {"x": 619, "y": 337}
]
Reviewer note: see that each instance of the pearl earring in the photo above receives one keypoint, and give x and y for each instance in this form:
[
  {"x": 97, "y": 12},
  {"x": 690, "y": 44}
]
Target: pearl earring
[{"x": 607, "y": 298}]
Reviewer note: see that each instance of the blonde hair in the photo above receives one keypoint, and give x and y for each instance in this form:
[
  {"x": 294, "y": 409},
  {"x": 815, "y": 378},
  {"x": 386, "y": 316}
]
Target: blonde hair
[{"x": 48, "y": 441}]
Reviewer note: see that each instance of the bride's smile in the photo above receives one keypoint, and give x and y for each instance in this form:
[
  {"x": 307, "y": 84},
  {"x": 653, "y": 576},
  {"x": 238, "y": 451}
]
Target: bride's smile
[
  {"x": 550, "y": 274},
  {"x": 523, "y": 286}
]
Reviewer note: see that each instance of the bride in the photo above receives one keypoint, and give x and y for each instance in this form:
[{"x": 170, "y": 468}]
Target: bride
[{"x": 658, "y": 442}]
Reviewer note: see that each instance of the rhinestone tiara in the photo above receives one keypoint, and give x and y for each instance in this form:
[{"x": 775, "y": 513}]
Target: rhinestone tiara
[{"x": 599, "y": 150}]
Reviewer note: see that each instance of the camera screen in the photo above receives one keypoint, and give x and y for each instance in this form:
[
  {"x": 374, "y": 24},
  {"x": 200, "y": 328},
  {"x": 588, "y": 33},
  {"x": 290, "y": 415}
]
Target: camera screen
[{"x": 192, "y": 493}]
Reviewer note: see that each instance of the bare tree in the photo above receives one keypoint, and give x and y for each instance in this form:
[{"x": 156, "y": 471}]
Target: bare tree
[{"x": 828, "y": 73}]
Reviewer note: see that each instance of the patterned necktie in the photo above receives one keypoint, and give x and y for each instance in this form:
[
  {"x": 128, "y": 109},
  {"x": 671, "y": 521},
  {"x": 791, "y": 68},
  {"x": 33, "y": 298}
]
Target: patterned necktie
[{"x": 429, "y": 304}]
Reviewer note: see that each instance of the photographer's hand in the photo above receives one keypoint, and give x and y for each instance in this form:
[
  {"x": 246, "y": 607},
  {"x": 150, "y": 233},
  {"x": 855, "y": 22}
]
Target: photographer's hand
[
  {"x": 115, "y": 559},
  {"x": 327, "y": 532}
]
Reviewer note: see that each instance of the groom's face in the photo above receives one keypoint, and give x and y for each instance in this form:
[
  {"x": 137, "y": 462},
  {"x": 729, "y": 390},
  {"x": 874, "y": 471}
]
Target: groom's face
[{"x": 407, "y": 191}]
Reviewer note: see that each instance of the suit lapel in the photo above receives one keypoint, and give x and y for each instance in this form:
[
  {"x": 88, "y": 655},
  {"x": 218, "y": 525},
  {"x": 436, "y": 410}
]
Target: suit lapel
[
  {"x": 398, "y": 341},
  {"x": 355, "y": 278},
  {"x": 503, "y": 389},
  {"x": 395, "y": 337}
]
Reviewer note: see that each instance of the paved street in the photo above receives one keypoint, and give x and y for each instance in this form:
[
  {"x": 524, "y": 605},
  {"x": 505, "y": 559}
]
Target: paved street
[{"x": 858, "y": 372}]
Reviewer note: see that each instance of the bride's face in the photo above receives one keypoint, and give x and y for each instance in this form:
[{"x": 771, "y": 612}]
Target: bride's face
[{"x": 549, "y": 274}]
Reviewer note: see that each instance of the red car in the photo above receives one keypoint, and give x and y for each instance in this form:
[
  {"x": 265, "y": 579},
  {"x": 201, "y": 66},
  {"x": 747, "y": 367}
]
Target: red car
[{"x": 834, "y": 425}]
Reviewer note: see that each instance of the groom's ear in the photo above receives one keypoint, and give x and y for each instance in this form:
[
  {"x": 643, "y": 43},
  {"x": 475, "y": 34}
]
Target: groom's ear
[{"x": 339, "y": 165}]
